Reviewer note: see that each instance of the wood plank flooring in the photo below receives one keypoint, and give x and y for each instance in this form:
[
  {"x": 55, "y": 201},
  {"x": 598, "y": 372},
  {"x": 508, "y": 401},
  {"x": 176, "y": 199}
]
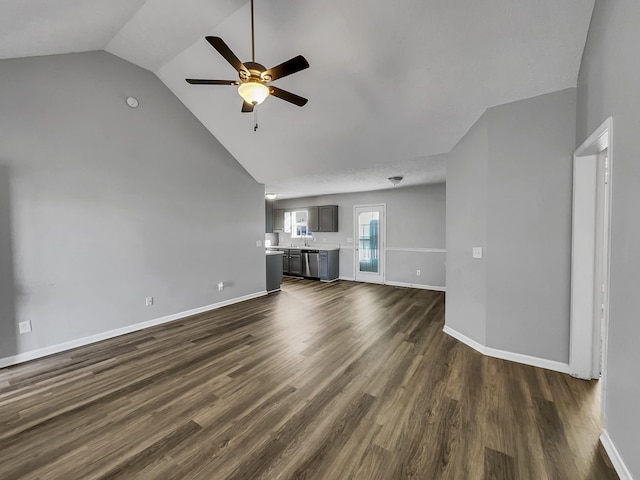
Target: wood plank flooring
[{"x": 318, "y": 381}]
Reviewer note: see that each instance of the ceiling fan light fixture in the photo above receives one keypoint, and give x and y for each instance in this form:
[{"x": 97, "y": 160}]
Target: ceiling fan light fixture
[{"x": 254, "y": 93}]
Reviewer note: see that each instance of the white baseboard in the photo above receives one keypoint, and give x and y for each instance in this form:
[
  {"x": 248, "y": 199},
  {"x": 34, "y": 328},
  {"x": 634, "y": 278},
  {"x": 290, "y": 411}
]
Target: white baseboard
[
  {"x": 348, "y": 279},
  {"x": 464, "y": 339},
  {"x": 511, "y": 356},
  {"x": 621, "y": 469},
  {"x": 61, "y": 347},
  {"x": 416, "y": 285}
]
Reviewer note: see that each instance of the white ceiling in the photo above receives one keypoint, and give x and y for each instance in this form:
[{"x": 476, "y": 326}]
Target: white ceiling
[{"x": 391, "y": 87}]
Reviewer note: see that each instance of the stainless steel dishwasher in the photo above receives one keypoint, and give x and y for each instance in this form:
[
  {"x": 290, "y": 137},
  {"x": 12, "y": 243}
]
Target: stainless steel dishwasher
[{"x": 311, "y": 263}]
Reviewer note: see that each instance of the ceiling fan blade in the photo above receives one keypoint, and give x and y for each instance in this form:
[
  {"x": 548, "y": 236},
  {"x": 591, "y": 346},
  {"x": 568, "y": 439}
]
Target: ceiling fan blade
[
  {"x": 197, "y": 81},
  {"x": 225, "y": 51},
  {"x": 288, "y": 96},
  {"x": 247, "y": 107},
  {"x": 287, "y": 68}
]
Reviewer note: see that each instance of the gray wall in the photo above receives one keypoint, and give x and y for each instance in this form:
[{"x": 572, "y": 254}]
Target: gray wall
[
  {"x": 466, "y": 227},
  {"x": 509, "y": 184},
  {"x": 108, "y": 205},
  {"x": 530, "y": 184},
  {"x": 415, "y": 220},
  {"x": 608, "y": 86},
  {"x": 8, "y": 323}
]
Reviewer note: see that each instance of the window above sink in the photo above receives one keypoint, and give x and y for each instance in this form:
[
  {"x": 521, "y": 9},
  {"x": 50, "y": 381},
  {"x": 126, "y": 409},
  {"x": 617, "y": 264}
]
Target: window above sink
[{"x": 296, "y": 223}]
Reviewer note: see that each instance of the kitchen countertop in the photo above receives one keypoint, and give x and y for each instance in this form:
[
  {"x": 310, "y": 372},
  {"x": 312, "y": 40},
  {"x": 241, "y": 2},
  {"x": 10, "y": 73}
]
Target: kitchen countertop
[
  {"x": 301, "y": 247},
  {"x": 274, "y": 252}
]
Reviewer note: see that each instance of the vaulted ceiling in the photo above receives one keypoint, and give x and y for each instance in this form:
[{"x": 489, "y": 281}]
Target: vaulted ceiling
[{"x": 392, "y": 86}]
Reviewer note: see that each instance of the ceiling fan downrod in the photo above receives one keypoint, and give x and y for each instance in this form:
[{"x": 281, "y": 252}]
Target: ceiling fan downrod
[{"x": 253, "y": 37}]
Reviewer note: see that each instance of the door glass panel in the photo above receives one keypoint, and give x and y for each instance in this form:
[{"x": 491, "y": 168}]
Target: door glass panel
[{"x": 368, "y": 241}]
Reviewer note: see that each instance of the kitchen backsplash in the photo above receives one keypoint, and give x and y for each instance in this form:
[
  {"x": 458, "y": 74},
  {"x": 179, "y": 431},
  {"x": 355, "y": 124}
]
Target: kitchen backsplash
[{"x": 270, "y": 239}]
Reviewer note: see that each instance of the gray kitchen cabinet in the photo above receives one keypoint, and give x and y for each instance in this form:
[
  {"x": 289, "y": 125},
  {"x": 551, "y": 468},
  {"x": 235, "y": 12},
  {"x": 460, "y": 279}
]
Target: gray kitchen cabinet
[
  {"x": 278, "y": 219},
  {"x": 329, "y": 265},
  {"x": 312, "y": 219},
  {"x": 295, "y": 262},
  {"x": 317, "y": 219},
  {"x": 274, "y": 272},
  {"x": 327, "y": 218},
  {"x": 323, "y": 218},
  {"x": 268, "y": 216}
]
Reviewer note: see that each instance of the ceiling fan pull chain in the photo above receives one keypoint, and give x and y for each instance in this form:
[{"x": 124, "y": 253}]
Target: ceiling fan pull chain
[{"x": 255, "y": 120}]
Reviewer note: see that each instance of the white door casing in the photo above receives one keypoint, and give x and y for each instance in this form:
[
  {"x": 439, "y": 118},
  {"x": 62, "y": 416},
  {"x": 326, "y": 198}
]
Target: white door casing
[
  {"x": 592, "y": 187},
  {"x": 369, "y": 229}
]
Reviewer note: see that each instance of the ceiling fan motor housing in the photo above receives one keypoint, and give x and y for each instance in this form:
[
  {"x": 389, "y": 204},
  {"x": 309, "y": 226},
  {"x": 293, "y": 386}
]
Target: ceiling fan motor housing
[{"x": 255, "y": 73}]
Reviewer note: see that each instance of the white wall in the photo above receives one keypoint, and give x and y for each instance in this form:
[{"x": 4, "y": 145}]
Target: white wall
[
  {"x": 608, "y": 85},
  {"x": 103, "y": 205},
  {"x": 415, "y": 224},
  {"x": 509, "y": 184}
]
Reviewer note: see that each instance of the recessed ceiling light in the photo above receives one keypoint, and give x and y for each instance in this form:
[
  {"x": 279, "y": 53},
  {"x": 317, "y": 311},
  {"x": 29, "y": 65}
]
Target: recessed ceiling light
[{"x": 132, "y": 102}]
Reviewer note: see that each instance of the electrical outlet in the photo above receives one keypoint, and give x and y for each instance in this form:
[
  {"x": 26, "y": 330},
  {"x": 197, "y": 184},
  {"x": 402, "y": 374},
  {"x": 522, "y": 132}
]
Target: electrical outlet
[
  {"x": 258, "y": 243},
  {"x": 477, "y": 252},
  {"x": 220, "y": 286},
  {"x": 349, "y": 240},
  {"x": 148, "y": 301},
  {"x": 418, "y": 272},
  {"x": 25, "y": 327}
]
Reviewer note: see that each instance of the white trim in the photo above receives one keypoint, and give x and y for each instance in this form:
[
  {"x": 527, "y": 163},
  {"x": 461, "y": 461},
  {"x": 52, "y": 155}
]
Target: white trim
[
  {"x": 80, "y": 342},
  {"x": 597, "y": 141},
  {"x": 348, "y": 279},
  {"x": 581, "y": 341},
  {"x": 464, "y": 339},
  {"x": 416, "y": 285},
  {"x": 618, "y": 464},
  {"x": 511, "y": 356},
  {"x": 382, "y": 264},
  {"x": 421, "y": 250},
  {"x": 583, "y": 264}
]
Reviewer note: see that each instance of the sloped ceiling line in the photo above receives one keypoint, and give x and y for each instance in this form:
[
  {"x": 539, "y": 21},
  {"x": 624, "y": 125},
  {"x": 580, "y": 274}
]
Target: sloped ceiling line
[{"x": 391, "y": 86}]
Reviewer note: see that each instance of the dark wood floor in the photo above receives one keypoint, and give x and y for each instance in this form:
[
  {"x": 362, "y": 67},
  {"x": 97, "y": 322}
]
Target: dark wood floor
[{"x": 331, "y": 381}]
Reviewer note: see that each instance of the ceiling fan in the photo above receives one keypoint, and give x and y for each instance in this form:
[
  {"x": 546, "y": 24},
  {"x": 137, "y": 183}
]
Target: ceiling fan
[{"x": 254, "y": 84}]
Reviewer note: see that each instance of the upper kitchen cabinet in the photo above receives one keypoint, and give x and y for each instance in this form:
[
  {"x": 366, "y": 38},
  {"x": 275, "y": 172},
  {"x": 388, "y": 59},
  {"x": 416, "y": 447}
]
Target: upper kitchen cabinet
[
  {"x": 327, "y": 218},
  {"x": 268, "y": 217},
  {"x": 312, "y": 219},
  {"x": 278, "y": 219}
]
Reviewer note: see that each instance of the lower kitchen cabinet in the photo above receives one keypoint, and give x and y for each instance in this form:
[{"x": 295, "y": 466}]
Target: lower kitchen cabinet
[
  {"x": 295, "y": 262},
  {"x": 298, "y": 263},
  {"x": 274, "y": 271},
  {"x": 285, "y": 262},
  {"x": 329, "y": 265}
]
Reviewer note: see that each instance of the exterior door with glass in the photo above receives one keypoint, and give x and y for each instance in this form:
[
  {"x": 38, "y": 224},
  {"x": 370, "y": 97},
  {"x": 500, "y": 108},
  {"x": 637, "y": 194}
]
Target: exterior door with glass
[{"x": 370, "y": 235}]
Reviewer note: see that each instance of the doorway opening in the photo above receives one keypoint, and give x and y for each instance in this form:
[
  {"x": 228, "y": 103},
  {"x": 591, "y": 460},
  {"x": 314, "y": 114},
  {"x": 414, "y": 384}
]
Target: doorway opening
[
  {"x": 370, "y": 243},
  {"x": 592, "y": 186}
]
